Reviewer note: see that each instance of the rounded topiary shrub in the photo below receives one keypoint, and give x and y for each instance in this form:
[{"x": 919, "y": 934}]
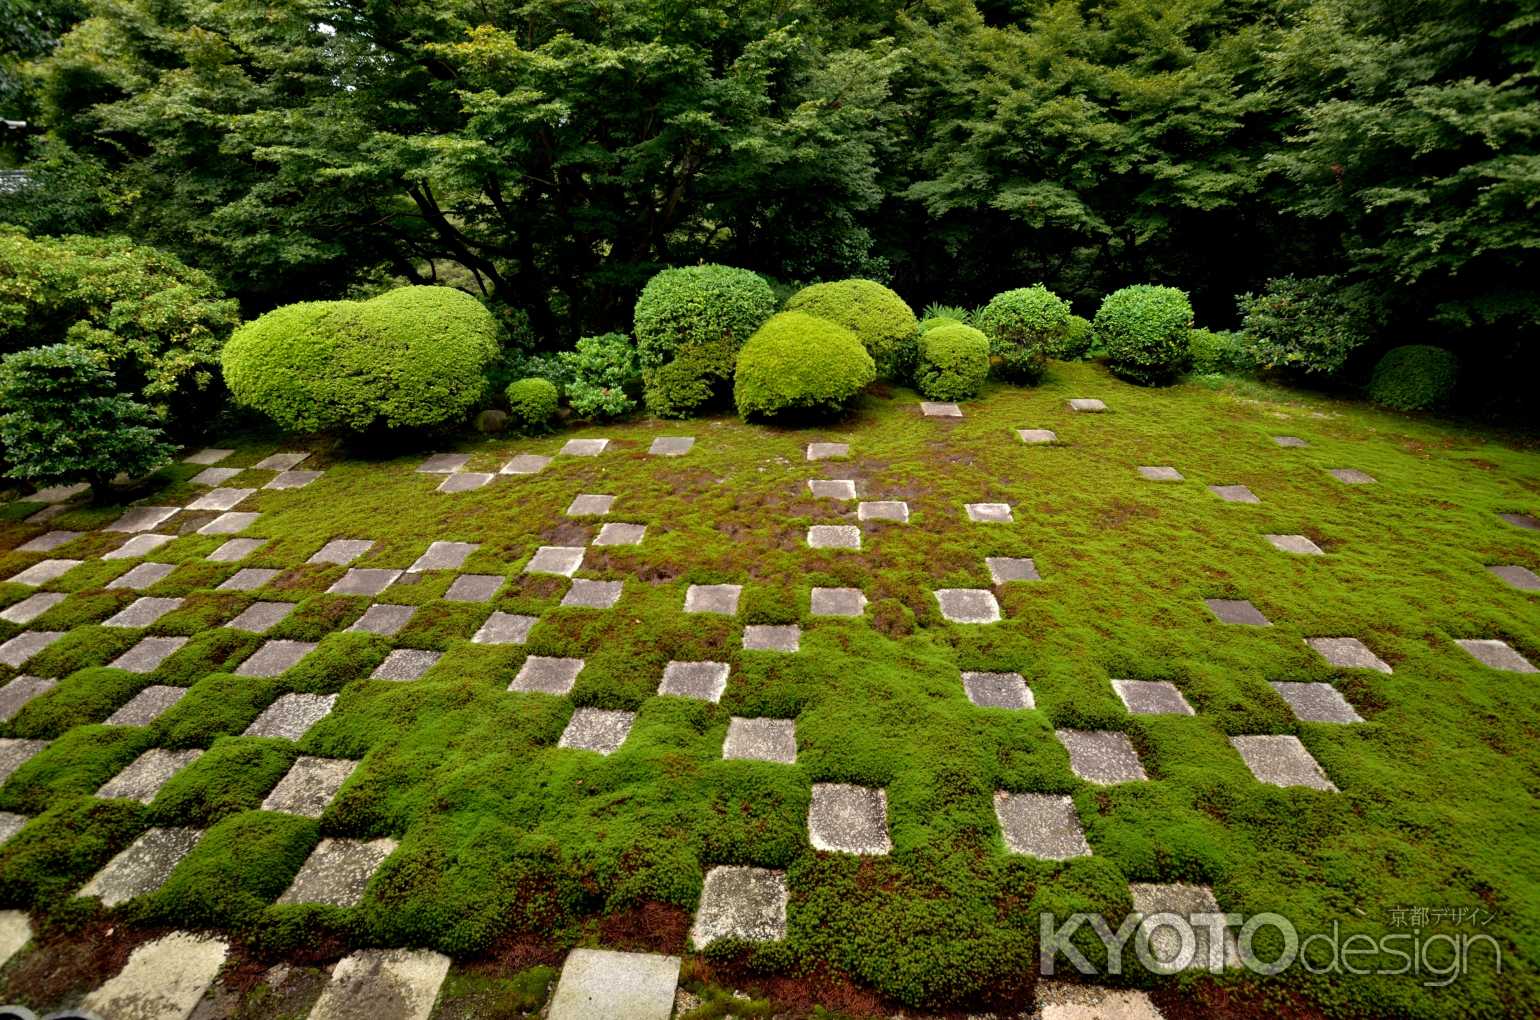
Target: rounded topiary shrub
[
  {"x": 1024, "y": 327},
  {"x": 880, "y": 319},
  {"x": 1077, "y": 339},
  {"x": 799, "y": 363},
  {"x": 532, "y": 403},
  {"x": 953, "y": 362},
  {"x": 1217, "y": 351},
  {"x": 415, "y": 357},
  {"x": 1417, "y": 377},
  {"x": 1145, "y": 332},
  {"x": 689, "y": 325}
]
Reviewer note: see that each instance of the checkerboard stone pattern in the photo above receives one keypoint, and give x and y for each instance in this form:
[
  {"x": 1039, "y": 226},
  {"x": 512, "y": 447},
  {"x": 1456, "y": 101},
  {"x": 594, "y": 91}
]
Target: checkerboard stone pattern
[
  {"x": 473, "y": 588},
  {"x": 10, "y": 825},
  {"x": 443, "y": 556},
  {"x": 143, "y": 779},
  {"x": 505, "y": 629},
  {"x": 382, "y": 984},
  {"x": 291, "y": 716},
  {"x": 584, "y": 447},
  {"x": 232, "y": 523},
  {"x": 1160, "y": 473},
  {"x": 364, "y": 581},
  {"x": 49, "y": 541},
  {"x": 761, "y": 740},
  {"x": 563, "y": 560},
  {"x": 1151, "y": 697},
  {"x": 1519, "y": 577},
  {"x": 444, "y": 463},
  {"x": 1300, "y": 545},
  {"x": 1037, "y": 437},
  {"x": 341, "y": 551},
  {"x": 849, "y": 819},
  {"x": 997, "y": 690},
  {"x": 1496, "y": 654},
  {"x": 832, "y": 488},
  {"x": 282, "y": 461},
  {"x": 702, "y": 680},
  {"x": 142, "y": 576},
  {"x": 20, "y": 690},
  {"x": 148, "y": 654},
  {"x": 834, "y": 536},
  {"x": 590, "y": 505},
  {"x": 309, "y": 786},
  {"x": 220, "y": 499},
  {"x": 1236, "y": 611},
  {"x": 592, "y": 594},
  {"x": 275, "y": 657},
  {"x": 989, "y": 513},
  {"x": 1067, "y": 1000},
  {"x": 143, "y": 518},
  {"x": 162, "y": 980},
  {"x": 383, "y": 618},
  {"x": 143, "y": 866},
  {"x": 1009, "y": 569},
  {"x": 1087, "y": 404},
  {"x": 525, "y": 464},
  {"x": 405, "y": 664},
  {"x": 1315, "y": 702},
  {"x": 1040, "y": 825},
  {"x": 147, "y": 706},
  {"x": 1348, "y": 653},
  {"x": 211, "y": 455},
  {"x": 338, "y": 871},
  {"x": 44, "y": 571},
  {"x": 1103, "y": 757},
  {"x": 1164, "y": 943},
  {"x": 671, "y": 446},
  {"x": 1234, "y": 493},
  {"x": 968, "y": 605},
  {"x": 1289, "y": 441},
  {"x": 236, "y": 549},
  {"x": 1281, "y": 761},
  {"x": 546, "y": 675},
  {"x": 617, "y": 533},
  {"x": 1351, "y": 476},
  {"x": 261, "y": 617},
  {"x": 142, "y": 612},
  {"x": 600, "y": 730},
  {"x": 14, "y": 753},
  {"x": 849, "y": 602},
  {"x": 214, "y": 476},
  {"x": 827, "y": 451},
  {"x": 293, "y": 479},
  {"x": 713, "y": 598},
  {"x": 465, "y": 481},
  {"x": 31, "y": 607},
  {"x": 141, "y": 544},
  {"x": 25, "y": 645},
  {"x": 939, "y": 409},
  {"x": 601, "y": 984},
  {"x": 883, "y": 510},
  {"x": 770, "y": 637},
  {"x": 742, "y": 903}
]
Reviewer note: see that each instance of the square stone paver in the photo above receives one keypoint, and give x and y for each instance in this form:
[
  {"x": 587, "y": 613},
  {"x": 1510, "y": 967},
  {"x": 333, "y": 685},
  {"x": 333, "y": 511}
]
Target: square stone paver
[
  {"x": 600, "y": 984},
  {"x": 761, "y": 740},
  {"x": 1281, "y": 761},
  {"x": 704, "y": 681},
  {"x": 293, "y": 479},
  {"x": 712, "y": 598},
  {"x": 615, "y": 533},
  {"x": 220, "y": 499},
  {"x": 383, "y": 618},
  {"x": 838, "y": 602},
  {"x": 989, "y": 513},
  {"x": 1037, "y": 437},
  {"x": 1102, "y": 757},
  {"x": 1237, "y": 611},
  {"x": 741, "y": 903},
  {"x": 671, "y": 446},
  {"x": 282, "y": 461},
  {"x": 20, "y": 690},
  {"x": 1351, "y": 476},
  {"x": 214, "y": 476},
  {"x": 138, "y": 545},
  {"x": 832, "y": 488},
  {"x": 147, "y": 706},
  {"x": 590, "y": 505},
  {"x": 1315, "y": 702},
  {"x": 406, "y": 664},
  {"x": 525, "y": 464},
  {"x": 444, "y": 463},
  {"x": 556, "y": 559},
  {"x": 142, "y": 576},
  {"x": 1090, "y": 404},
  {"x": 547, "y": 675},
  {"x": 771, "y": 637},
  {"x": 827, "y": 451},
  {"x": 231, "y": 523},
  {"x": 505, "y": 629},
  {"x": 1521, "y": 578},
  {"x": 212, "y": 455},
  {"x": 16, "y": 753},
  {"x": 260, "y": 617},
  {"x": 1160, "y": 473},
  {"x": 148, "y": 654},
  {"x": 236, "y": 549},
  {"x": 49, "y": 541},
  {"x": 584, "y": 447},
  {"x": 10, "y": 825},
  {"x": 143, "y": 518},
  {"x": 849, "y": 819},
  {"x": 1299, "y": 544},
  {"x": 291, "y": 716},
  {"x": 600, "y": 730},
  {"x": 473, "y": 588},
  {"x": 274, "y": 657},
  {"x": 364, "y": 581},
  {"x": 834, "y": 536},
  {"x": 465, "y": 481},
  {"x": 54, "y": 494},
  {"x": 1040, "y": 825},
  {"x": 592, "y": 594},
  {"x": 248, "y": 579},
  {"x": 309, "y": 785},
  {"x": 341, "y": 551},
  {"x": 883, "y": 510},
  {"x": 1289, "y": 441},
  {"x": 382, "y": 984},
  {"x": 1496, "y": 654},
  {"x": 443, "y": 556},
  {"x": 163, "y": 979},
  {"x": 337, "y": 872},
  {"x": 44, "y": 571},
  {"x": 25, "y": 645},
  {"x": 143, "y": 779},
  {"x": 142, "y": 612},
  {"x": 1529, "y": 522},
  {"x": 937, "y": 409},
  {"x": 1165, "y": 943},
  {"x": 997, "y": 690},
  {"x": 968, "y": 605},
  {"x": 1347, "y": 652},
  {"x": 31, "y": 607},
  {"x": 46, "y": 514},
  {"x": 1006, "y": 569},
  {"x": 143, "y": 866},
  {"x": 1234, "y": 493},
  {"x": 1151, "y": 697}
]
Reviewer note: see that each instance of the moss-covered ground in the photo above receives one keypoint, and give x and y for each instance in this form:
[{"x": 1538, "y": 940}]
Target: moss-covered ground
[{"x": 514, "y": 849}]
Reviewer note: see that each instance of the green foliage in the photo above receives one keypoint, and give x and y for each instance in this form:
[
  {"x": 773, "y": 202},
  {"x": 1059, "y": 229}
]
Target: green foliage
[
  {"x": 879, "y": 318},
  {"x": 604, "y": 373},
  {"x": 1221, "y": 351},
  {"x": 532, "y": 404},
  {"x": 63, "y": 420},
  {"x": 690, "y": 324},
  {"x": 953, "y": 362},
  {"x": 1146, "y": 332},
  {"x": 412, "y": 358},
  {"x": 1307, "y": 325},
  {"x": 1416, "y": 377},
  {"x": 1025, "y": 326},
  {"x": 796, "y": 363},
  {"x": 1077, "y": 339},
  {"x": 946, "y": 313}
]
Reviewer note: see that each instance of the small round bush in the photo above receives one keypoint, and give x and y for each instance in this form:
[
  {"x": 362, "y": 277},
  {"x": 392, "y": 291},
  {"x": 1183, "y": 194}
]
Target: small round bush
[
  {"x": 1417, "y": 377},
  {"x": 1024, "y": 327},
  {"x": 689, "y": 325},
  {"x": 1218, "y": 351},
  {"x": 880, "y": 319},
  {"x": 1146, "y": 333},
  {"x": 532, "y": 404},
  {"x": 414, "y": 357},
  {"x": 1077, "y": 339},
  {"x": 953, "y": 362},
  {"x": 799, "y": 363}
]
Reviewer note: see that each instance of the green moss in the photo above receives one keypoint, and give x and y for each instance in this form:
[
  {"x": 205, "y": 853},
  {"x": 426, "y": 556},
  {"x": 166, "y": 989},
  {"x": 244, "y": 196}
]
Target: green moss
[
  {"x": 234, "y": 775},
  {"x": 59, "y": 850},
  {"x": 240, "y": 866},
  {"x": 74, "y": 765}
]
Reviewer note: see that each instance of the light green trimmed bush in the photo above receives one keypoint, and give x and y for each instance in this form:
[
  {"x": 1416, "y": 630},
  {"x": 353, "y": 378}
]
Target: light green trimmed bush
[
  {"x": 689, "y": 325},
  {"x": 532, "y": 404},
  {"x": 1145, "y": 331},
  {"x": 1025, "y": 326},
  {"x": 1417, "y": 377},
  {"x": 879, "y": 318},
  {"x": 799, "y": 363},
  {"x": 411, "y": 358},
  {"x": 1218, "y": 351},
  {"x": 953, "y": 362},
  {"x": 1077, "y": 339}
]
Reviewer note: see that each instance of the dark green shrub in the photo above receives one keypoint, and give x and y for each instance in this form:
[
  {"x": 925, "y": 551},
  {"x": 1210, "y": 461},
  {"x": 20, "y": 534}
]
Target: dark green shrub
[
  {"x": 1077, "y": 339},
  {"x": 1311, "y": 325},
  {"x": 879, "y": 318},
  {"x": 532, "y": 404},
  {"x": 796, "y": 362},
  {"x": 1145, "y": 332},
  {"x": 1417, "y": 377},
  {"x": 1025, "y": 326},
  {"x": 689, "y": 325},
  {"x": 1218, "y": 351},
  {"x": 605, "y": 374},
  {"x": 414, "y": 357},
  {"x": 953, "y": 362}
]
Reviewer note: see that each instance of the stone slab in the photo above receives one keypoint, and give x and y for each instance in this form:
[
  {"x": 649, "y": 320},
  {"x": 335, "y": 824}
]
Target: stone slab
[
  {"x": 46, "y": 514},
  {"x": 31, "y": 607},
  {"x": 25, "y": 645},
  {"x": 1347, "y": 652},
  {"x": 214, "y": 476},
  {"x": 850, "y": 819},
  {"x": 143, "y": 866},
  {"x": 143, "y": 518},
  {"x": 1281, "y": 761},
  {"x": 1087, "y": 404},
  {"x": 584, "y": 447},
  {"x": 832, "y": 488},
  {"x": 444, "y": 463},
  {"x": 597, "y": 729},
  {"x": 1298, "y": 544},
  {"x": 162, "y": 980},
  {"x": 1519, "y": 577},
  {"x": 883, "y": 510},
  {"x": 382, "y": 984},
  {"x": 364, "y": 581},
  {"x": 592, "y": 594},
  {"x": 838, "y": 602},
  {"x": 474, "y": 588},
  {"x": 44, "y": 571},
  {"x": 1496, "y": 654},
  {"x": 49, "y": 541},
  {"x": 1008, "y": 569},
  {"x": 236, "y": 549},
  {"x": 142, "y": 576},
  {"x": 712, "y": 598},
  {"x": 406, "y": 664},
  {"x": 20, "y": 690},
  {"x": 997, "y": 690},
  {"x": 15, "y": 932},
  {"x": 564, "y": 560},
  {"x": 1289, "y": 441},
  {"x": 1151, "y": 697},
  {"x": 939, "y": 409},
  {"x": 525, "y": 464},
  {"x": 704, "y": 681},
  {"x": 220, "y": 499},
  {"x": 55, "y": 494},
  {"x": 1160, "y": 473},
  {"x": 766, "y": 637},
  {"x": 989, "y": 513},
  {"x": 143, "y": 779},
  {"x": 337, "y": 872},
  {"x": 1166, "y": 943},
  {"x": 1234, "y": 493},
  {"x": 546, "y": 675},
  {"x": 1103, "y": 757},
  {"x": 148, "y": 654},
  {"x": 590, "y": 504},
  {"x": 1316, "y": 702},
  {"x": 671, "y": 446},
  {"x": 290, "y": 716},
  {"x": 761, "y": 740},
  {"x": 443, "y": 556},
  {"x": 1529, "y": 522},
  {"x": 274, "y": 657},
  {"x": 341, "y": 551},
  {"x": 834, "y": 536},
  {"x": 465, "y": 481},
  {"x": 282, "y": 461},
  {"x": 1037, "y": 437},
  {"x": 10, "y": 825},
  {"x": 1351, "y": 476},
  {"x": 147, "y": 706},
  {"x": 15, "y": 753},
  {"x": 138, "y": 545},
  {"x": 615, "y": 533},
  {"x": 248, "y": 579},
  {"x": 309, "y": 786},
  {"x": 293, "y": 479},
  {"x": 827, "y": 451},
  {"x": 1040, "y": 825},
  {"x": 231, "y": 523},
  {"x": 260, "y": 617},
  {"x": 740, "y": 903},
  {"x": 1237, "y": 611},
  {"x": 383, "y": 618},
  {"x": 212, "y": 455},
  {"x": 968, "y": 605},
  {"x": 599, "y": 984},
  {"x": 1063, "y": 1000},
  {"x": 505, "y": 629}
]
